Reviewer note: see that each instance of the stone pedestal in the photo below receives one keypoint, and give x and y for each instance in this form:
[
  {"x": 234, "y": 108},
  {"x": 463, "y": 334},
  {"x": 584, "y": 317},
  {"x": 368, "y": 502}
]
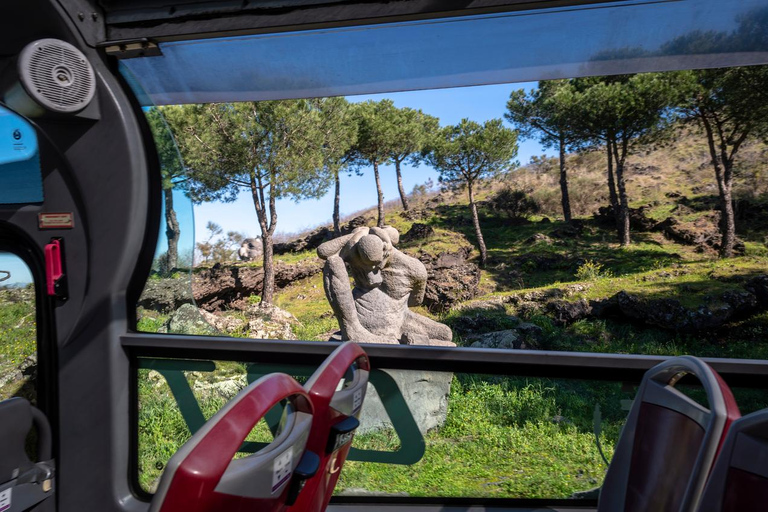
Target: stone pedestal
[{"x": 425, "y": 393}]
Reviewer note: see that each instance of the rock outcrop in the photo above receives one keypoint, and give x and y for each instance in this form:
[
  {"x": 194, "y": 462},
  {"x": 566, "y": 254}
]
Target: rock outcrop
[
  {"x": 256, "y": 322},
  {"x": 451, "y": 279},
  {"x": 524, "y": 336},
  {"x": 165, "y": 295},
  {"x": 665, "y": 313},
  {"x": 229, "y": 286},
  {"x": 314, "y": 238},
  {"x": 418, "y": 231}
]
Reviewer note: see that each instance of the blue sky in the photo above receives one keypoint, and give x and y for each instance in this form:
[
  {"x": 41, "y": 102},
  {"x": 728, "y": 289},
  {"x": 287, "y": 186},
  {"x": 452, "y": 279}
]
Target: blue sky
[
  {"x": 358, "y": 192},
  {"x": 20, "y": 273}
]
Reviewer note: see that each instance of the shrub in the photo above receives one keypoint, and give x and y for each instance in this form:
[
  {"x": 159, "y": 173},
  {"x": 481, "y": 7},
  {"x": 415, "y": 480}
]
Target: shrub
[
  {"x": 515, "y": 204},
  {"x": 591, "y": 271}
]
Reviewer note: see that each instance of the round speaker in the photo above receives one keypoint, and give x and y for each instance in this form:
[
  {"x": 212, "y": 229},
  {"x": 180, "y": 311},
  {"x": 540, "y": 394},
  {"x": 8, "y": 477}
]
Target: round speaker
[{"x": 56, "y": 76}]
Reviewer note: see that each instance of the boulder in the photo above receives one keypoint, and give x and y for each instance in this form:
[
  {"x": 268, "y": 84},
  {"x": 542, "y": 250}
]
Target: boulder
[
  {"x": 225, "y": 388},
  {"x": 250, "y": 250},
  {"x": 425, "y": 393},
  {"x": 418, "y": 231},
  {"x": 565, "y": 312},
  {"x": 305, "y": 243},
  {"x": 537, "y": 238},
  {"x": 270, "y": 323},
  {"x": 261, "y": 322},
  {"x": 166, "y": 295},
  {"x": 672, "y": 315},
  {"x": 450, "y": 279},
  {"x": 224, "y": 323},
  {"x": 188, "y": 320},
  {"x": 638, "y": 221},
  {"x": 508, "y": 339}
]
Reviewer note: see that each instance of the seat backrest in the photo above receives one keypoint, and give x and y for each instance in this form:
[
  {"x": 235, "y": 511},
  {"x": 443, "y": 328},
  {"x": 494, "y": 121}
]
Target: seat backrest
[
  {"x": 337, "y": 390},
  {"x": 669, "y": 441},
  {"x": 739, "y": 480},
  {"x": 203, "y": 477},
  {"x": 15, "y": 424}
]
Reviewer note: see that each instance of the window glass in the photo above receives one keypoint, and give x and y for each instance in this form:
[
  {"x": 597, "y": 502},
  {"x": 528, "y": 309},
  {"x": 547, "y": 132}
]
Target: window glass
[
  {"x": 548, "y": 242},
  {"x": 422, "y": 433},
  {"x": 603, "y": 213},
  {"x": 20, "y": 177},
  {"x": 168, "y": 287},
  {"x": 18, "y": 332}
]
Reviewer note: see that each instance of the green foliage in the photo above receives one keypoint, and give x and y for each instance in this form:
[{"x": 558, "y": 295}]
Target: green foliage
[
  {"x": 339, "y": 133},
  {"x": 217, "y": 248},
  {"x": 412, "y": 134},
  {"x": 377, "y": 130},
  {"x": 626, "y": 109},
  {"x": 515, "y": 204},
  {"x": 591, "y": 271},
  {"x": 170, "y": 160},
  {"x": 468, "y": 152},
  {"x": 270, "y": 147},
  {"x": 548, "y": 111}
]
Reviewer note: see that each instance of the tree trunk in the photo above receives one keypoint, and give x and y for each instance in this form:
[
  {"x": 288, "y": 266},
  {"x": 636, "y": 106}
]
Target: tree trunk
[
  {"x": 403, "y": 197},
  {"x": 172, "y": 233},
  {"x": 380, "y": 222},
  {"x": 622, "y": 215},
  {"x": 267, "y": 228},
  {"x": 727, "y": 221},
  {"x": 564, "y": 183},
  {"x": 614, "y": 198},
  {"x": 476, "y": 222},
  {"x": 336, "y": 226},
  {"x": 723, "y": 175},
  {"x": 268, "y": 287}
]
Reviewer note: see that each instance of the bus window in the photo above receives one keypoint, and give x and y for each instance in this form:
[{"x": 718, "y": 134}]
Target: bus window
[{"x": 18, "y": 333}]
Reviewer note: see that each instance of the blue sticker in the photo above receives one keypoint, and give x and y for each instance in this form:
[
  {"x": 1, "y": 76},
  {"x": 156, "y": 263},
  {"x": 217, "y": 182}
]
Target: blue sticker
[{"x": 20, "y": 176}]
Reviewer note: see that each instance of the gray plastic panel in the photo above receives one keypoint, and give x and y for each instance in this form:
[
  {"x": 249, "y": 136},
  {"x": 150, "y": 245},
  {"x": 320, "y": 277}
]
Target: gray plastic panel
[
  {"x": 15, "y": 424},
  {"x": 654, "y": 389},
  {"x": 253, "y": 476}
]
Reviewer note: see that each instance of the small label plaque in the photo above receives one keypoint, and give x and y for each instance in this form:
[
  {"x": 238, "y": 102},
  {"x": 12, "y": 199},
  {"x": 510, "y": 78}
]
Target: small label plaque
[{"x": 64, "y": 220}]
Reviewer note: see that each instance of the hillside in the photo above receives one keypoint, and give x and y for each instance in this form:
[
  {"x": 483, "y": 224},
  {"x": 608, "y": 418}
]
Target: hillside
[{"x": 548, "y": 286}]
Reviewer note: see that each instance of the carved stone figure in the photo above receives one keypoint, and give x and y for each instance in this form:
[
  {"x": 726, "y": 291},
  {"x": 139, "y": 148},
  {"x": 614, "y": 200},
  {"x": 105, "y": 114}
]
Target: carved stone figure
[
  {"x": 386, "y": 283},
  {"x": 250, "y": 249}
]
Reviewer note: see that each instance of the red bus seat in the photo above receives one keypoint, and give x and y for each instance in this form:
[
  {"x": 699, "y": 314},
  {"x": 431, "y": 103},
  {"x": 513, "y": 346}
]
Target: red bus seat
[
  {"x": 739, "y": 480},
  {"x": 203, "y": 477},
  {"x": 669, "y": 443},
  {"x": 337, "y": 390}
]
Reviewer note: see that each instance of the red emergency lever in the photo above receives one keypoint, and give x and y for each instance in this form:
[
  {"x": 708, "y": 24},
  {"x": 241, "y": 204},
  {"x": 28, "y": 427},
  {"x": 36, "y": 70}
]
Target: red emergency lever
[{"x": 54, "y": 268}]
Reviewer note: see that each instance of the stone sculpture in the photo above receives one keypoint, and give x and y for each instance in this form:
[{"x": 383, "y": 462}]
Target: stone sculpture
[
  {"x": 386, "y": 283},
  {"x": 250, "y": 249}
]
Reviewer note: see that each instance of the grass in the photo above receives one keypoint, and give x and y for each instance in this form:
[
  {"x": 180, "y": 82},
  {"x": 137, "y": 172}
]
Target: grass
[
  {"x": 503, "y": 437},
  {"x": 18, "y": 338}
]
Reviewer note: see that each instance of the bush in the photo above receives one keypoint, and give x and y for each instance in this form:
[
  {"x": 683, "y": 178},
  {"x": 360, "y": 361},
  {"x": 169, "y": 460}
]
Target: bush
[
  {"x": 515, "y": 204},
  {"x": 591, "y": 271}
]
